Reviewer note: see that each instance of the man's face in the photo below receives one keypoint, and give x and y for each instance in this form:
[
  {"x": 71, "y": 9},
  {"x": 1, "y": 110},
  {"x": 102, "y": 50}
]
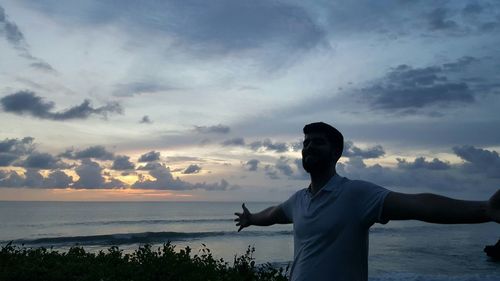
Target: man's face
[{"x": 317, "y": 153}]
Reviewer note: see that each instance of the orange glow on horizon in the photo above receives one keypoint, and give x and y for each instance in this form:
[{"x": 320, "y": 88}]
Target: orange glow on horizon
[{"x": 69, "y": 194}]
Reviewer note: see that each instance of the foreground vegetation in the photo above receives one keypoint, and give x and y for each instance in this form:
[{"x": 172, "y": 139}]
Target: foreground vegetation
[{"x": 145, "y": 263}]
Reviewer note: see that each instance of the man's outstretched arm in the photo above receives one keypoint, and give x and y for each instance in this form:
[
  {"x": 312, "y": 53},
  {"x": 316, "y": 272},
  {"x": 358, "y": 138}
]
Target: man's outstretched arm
[
  {"x": 269, "y": 216},
  {"x": 439, "y": 209}
]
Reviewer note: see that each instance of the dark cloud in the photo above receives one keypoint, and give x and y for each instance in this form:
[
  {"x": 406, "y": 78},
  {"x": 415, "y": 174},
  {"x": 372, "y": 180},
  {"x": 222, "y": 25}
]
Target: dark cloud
[
  {"x": 216, "y": 129},
  {"x": 58, "y": 179},
  {"x": 234, "y": 142},
  {"x": 91, "y": 176},
  {"x": 472, "y": 8},
  {"x": 271, "y": 172},
  {"x": 460, "y": 64},
  {"x": 150, "y": 166},
  {"x": 12, "y": 149},
  {"x": 11, "y": 31},
  {"x": 22, "y": 153},
  {"x": 96, "y": 152},
  {"x": 268, "y": 145},
  {"x": 252, "y": 164},
  {"x": 284, "y": 167},
  {"x": 290, "y": 168},
  {"x": 27, "y": 103},
  {"x": 150, "y": 156},
  {"x": 205, "y": 29},
  {"x": 439, "y": 19},
  {"x": 132, "y": 89},
  {"x": 11, "y": 179},
  {"x": 350, "y": 150},
  {"x": 41, "y": 65},
  {"x": 479, "y": 160},
  {"x": 422, "y": 163},
  {"x": 122, "y": 162},
  {"x": 15, "y": 37},
  {"x": 145, "y": 120},
  {"x": 478, "y": 174},
  {"x": 222, "y": 185},
  {"x": 406, "y": 90},
  {"x": 38, "y": 160},
  {"x": 192, "y": 169},
  {"x": 33, "y": 179},
  {"x": 6, "y": 159},
  {"x": 163, "y": 179}
]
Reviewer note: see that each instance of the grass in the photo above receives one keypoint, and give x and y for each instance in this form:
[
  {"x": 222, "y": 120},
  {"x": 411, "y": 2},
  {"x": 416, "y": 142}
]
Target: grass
[{"x": 144, "y": 264}]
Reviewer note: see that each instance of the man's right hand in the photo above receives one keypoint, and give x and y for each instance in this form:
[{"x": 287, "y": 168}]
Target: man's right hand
[{"x": 243, "y": 219}]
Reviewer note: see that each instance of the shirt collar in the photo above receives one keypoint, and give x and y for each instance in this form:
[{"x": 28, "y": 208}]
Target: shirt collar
[{"x": 334, "y": 181}]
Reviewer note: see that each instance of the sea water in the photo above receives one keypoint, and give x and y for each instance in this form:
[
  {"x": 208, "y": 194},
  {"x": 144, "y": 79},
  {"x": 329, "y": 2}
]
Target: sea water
[{"x": 405, "y": 250}]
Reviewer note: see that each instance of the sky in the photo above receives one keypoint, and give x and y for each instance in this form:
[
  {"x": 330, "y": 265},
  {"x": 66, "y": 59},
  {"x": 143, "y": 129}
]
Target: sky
[{"x": 194, "y": 100}]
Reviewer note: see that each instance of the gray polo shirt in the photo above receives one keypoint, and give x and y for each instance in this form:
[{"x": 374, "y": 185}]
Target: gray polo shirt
[{"x": 330, "y": 229}]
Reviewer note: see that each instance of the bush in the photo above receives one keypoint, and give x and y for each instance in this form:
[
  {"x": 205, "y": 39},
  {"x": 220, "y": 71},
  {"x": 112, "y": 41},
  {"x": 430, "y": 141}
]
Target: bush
[{"x": 144, "y": 264}]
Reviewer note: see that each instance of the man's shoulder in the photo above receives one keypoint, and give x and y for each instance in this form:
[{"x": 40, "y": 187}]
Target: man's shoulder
[
  {"x": 361, "y": 186},
  {"x": 358, "y": 183}
]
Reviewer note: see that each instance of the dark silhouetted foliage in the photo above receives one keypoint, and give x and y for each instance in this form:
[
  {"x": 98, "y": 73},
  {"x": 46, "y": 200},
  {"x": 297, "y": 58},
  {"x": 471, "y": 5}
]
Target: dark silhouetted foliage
[{"x": 164, "y": 263}]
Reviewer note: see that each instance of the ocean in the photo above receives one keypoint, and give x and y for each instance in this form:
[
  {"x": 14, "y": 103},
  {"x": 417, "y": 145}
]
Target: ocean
[{"x": 404, "y": 250}]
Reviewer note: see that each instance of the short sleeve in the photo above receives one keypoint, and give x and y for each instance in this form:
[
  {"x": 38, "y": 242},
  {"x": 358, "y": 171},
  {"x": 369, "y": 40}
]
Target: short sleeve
[
  {"x": 371, "y": 198},
  {"x": 289, "y": 205}
]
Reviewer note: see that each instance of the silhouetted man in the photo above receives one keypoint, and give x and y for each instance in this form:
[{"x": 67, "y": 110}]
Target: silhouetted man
[{"x": 332, "y": 216}]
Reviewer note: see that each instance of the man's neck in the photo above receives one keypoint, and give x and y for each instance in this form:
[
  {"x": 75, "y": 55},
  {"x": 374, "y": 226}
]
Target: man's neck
[{"x": 319, "y": 180}]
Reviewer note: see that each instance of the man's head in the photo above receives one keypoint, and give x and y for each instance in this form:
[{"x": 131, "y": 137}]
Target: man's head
[{"x": 322, "y": 147}]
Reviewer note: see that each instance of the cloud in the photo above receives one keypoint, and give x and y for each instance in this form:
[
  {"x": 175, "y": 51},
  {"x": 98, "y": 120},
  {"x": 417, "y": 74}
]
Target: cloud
[
  {"x": 91, "y": 177},
  {"x": 206, "y": 30},
  {"x": 15, "y": 37},
  {"x": 150, "y": 166},
  {"x": 33, "y": 179},
  {"x": 478, "y": 174},
  {"x": 139, "y": 88},
  {"x": 350, "y": 150},
  {"x": 163, "y": 179},
  {"x": 175, "y": 159},
  {"x": 145, "y": 120},
  {"x": 6, "y": 159},
  {"x": 290, "y": 168},
  {"x": 234, "y": 142},
  {"x": 96, "y": 152},
  {"x": 283, "y": 166},
  {"x": 41, "y": 65},
  {"x": 12, "y": 149},
  {"x": 479, "y": 160},
  {"x": 222, "y": 185},
  {"x": 439, "y": 19},
  {"x": 150, "y": 156},
  {"x": 192, "y": 169},
  {"x": 12, "y": 33},
  {"x": 38, "y": 160},
  {"x": 216, "y": 129},
  {"x": 27, "y": 103},
  {"x": 271, "y": 172},
  {"x": 422, "y": 163},
  {"x": 406, "y": 90},
  {"x": 252, "y": 164},
  {"x": 268, "y": 145},
  {"x": 122, "y": 162}
]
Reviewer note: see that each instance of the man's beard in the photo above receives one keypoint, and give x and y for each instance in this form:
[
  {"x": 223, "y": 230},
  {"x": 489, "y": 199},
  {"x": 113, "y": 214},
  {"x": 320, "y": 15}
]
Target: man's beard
[{"x": 317, "y": 165}]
